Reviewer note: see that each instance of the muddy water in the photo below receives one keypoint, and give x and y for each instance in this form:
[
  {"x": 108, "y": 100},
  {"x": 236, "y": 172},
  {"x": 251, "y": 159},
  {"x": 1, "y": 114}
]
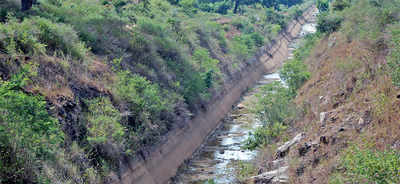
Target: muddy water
[{"x": 217, "y": 159}]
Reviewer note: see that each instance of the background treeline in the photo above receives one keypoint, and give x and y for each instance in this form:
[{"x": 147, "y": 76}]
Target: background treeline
[{"x": 88, "y": 84}]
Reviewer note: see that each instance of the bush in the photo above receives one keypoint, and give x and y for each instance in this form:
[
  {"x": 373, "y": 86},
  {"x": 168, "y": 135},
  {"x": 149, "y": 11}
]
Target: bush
[
  {"x": 60, "y": 37},
  {"x": 222, "y": 7},
  {"x": 151, "y": 27},
  {"x": 20, "y": 38},
  {"x": 274, "y": 17},
  {"x": 28, "y": 134},
  {"x": 242, "y": 46},
  {"x": 394, "y": 56},
  {"x": 208, "y": 65},
  {"x": 365, "y": 165},
  {"x": 103, "y": 122},
  {"x": 34, "y": 35},
  {"x": 189, "y": 6},
  {"x": 258, "y": 39},
  {"x": 95, "y": 23},
  {"x": 339, "y": 5},
  {"x": 323, "y": 5},
  {"x": 295, "y": 74},
  {"x": 328, "y": 23},
  {"x": 273, "y": 104},
  {"x": 142, "y": 96},
  {"x": 274, "y": 109},
  {"x": 264, "y": 135}
]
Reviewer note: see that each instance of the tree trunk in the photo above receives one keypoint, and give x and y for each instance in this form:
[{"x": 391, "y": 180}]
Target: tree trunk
[
  {"x": 236, "y": 6},
  {"x": 26, "y": 4}
]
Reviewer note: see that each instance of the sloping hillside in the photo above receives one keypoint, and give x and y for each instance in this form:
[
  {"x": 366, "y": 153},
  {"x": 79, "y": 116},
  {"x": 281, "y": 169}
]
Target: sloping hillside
[{"x": 347, "y": 120}]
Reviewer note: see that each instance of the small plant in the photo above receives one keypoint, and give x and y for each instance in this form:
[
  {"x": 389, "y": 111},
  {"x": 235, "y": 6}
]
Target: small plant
[
  {"x": 28, "y": 134},
  {"x": 264, "y": 135},
  {"x": 394, "y": 56},
  {"x": 295, "y": 74},
  {"x": 208, "y": 65},
  {"x": 273, "y": 109},
  {"x": 244, "y": 170},
  {"x": 328, "y": 23},
  {"x": 103, "y": 122},
  {"x": 371, "y": 166}
]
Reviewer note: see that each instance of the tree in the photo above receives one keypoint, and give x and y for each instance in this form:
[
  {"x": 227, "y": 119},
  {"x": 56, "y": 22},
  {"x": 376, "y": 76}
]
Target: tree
[
  {"x": 323, "y": 5},
  {"x": 27, "y": 4},
  {"x": 237, "y": 3}
]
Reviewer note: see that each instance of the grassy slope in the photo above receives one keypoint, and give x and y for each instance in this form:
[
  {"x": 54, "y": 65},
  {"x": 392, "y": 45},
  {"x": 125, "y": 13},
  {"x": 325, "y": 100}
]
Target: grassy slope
[{"x": 117, "y": 75}]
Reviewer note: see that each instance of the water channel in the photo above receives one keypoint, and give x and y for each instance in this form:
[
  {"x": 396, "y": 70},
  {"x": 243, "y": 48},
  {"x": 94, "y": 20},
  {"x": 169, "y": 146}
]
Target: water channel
[{"x": 217, "y": 158}]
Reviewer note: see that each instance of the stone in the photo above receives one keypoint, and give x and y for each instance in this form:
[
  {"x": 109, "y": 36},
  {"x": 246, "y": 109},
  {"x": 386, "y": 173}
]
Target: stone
[
  {"x": 322, "y": 117},
  {"x": 276, "y": 176},
  {"x": 324, "y": 140},
  {"x": 240, "y": 106},
  {"x": 304, "y": 149},
  {"x": 284, "y": 149}
]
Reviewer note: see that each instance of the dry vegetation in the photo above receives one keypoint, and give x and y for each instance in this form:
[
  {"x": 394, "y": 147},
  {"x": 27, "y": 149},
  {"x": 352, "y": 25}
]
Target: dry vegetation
[{"x": 351, "y": 103}]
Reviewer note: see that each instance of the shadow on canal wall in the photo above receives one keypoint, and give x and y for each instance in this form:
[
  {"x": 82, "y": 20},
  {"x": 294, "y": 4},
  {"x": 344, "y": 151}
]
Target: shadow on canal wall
[{"x": 164, "y": 160}]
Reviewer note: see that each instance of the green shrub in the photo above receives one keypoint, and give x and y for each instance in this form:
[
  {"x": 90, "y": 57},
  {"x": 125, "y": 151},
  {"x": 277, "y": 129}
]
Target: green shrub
[
  {"x": 394, "y": 56},
  {"x": 28, "y": 134},
  {"x": 323, "y": 5},
  {"x": 208, "y": 65},
  {"x": 328, "y": 23},
  {"x": 245, "y": 170},
  {"x": 222, "y": 7},
  {"x": 274, "y": 17},
  {"x": 306, "y": 46},
  {"x": 339, "y": 5},
  {"x": 34, "y": 35},
  {"x": 60, "y": 37},
  {"x": 258, "y": 39},
  {"x": 151, "y": 27},
  {"x": 273, "y": 103},
  {"x": 103, "y": 122},
  {"x": 20, "y": 38},
  {"x": 264, "y": 135},
  {"x": 365, "y": 165},
  {"x": 274, "y": 109},
  {"x": 242, "y": 46},
  {"x": 294, "y": 72},
  {"x": 142, "y": 96},
  {"x": 189, "y": 6},
  {"x": 95, "y": 23}
]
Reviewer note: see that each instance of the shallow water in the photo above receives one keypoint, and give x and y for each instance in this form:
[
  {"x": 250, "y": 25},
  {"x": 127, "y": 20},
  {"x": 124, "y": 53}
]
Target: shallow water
[{"x": 216, "y": 159}]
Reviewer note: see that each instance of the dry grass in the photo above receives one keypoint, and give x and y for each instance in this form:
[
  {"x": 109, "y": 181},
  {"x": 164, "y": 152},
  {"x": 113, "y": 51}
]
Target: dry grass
[{"x": 350, "y": 84}]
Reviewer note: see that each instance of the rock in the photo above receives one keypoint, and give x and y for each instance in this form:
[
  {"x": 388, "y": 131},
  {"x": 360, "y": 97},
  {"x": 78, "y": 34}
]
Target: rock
[
  {"x": 276, "y": 176},
  {"x": 324, "y": 140},
  {"x": 304, "y": 149},
  {"x": 284, "y": 149},
  {"x": 221, "y": 151},
  {"x": 361, "y": 121},
  {"x": 278, "y": 163},
  {"x": 331, "y": 41},
  {"x": 300, "y": 170},
  {"x": 235, "y": 116},
  {"x": 240, "y": 106},
  {"x": 322, "y": 117}
]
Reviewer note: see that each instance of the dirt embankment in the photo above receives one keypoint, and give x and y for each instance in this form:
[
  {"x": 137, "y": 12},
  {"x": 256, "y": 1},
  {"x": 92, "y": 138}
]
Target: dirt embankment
[
  {"x": 348, "y": 101},
  {"x": 180, "y": 144}
]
